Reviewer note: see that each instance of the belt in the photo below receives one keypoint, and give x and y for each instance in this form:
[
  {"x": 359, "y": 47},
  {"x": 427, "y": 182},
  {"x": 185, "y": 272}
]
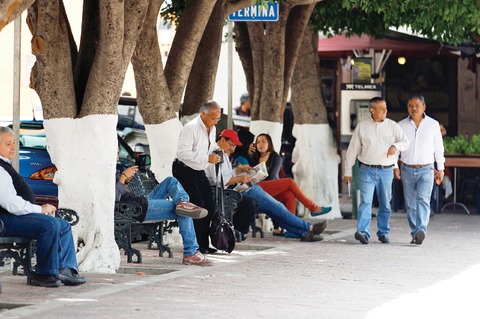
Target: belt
[
  {"x": 416, "y": 166},
  {"x": 376, "y": 166}
]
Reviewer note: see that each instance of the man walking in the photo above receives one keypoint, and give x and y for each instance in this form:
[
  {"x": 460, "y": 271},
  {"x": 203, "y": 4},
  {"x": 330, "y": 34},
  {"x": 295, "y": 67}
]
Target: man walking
[
  {"x": 417, "y": 169},
  {"x": 375, "y": 142},
  {"x": 196, "y": 144}
]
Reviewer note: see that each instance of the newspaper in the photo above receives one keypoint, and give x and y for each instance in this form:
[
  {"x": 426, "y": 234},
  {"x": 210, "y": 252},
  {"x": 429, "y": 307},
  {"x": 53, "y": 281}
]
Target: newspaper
[{"x": 258, "y": 174}]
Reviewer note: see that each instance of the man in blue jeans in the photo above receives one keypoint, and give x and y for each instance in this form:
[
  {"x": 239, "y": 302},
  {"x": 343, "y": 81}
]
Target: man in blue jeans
[
  {"x": 156, "y": 206},
  {"x": 417, "y": 169},
  {"x": 56, "y": 257},
  {"x": 375, "y": 142}
]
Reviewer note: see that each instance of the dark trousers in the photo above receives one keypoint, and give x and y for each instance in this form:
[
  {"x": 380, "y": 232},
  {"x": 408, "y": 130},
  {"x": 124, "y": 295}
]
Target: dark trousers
[
  {"x": 244, "y": 214},
  {"x": 198, "y": 188}
]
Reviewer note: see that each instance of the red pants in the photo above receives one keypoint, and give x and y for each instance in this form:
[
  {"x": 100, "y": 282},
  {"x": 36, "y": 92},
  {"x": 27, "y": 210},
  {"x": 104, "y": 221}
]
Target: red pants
[{"x": 286, "y": 191}]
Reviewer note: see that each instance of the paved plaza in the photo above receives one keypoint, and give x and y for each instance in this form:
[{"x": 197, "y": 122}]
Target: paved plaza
[{"x": 278, "y": 277}]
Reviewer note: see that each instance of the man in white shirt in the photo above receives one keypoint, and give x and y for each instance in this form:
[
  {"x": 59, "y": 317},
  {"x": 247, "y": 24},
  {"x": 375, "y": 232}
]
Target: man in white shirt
[
  {"x": 417, "y": 170},
  {"x": 375, "y": 142},
  {"x": 55, "y": 250},
  {"x": 196, "y": 144}
]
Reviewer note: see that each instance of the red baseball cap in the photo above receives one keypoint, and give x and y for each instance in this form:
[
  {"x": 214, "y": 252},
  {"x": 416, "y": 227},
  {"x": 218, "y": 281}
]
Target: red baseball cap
[{"x": 231, "y": 134}]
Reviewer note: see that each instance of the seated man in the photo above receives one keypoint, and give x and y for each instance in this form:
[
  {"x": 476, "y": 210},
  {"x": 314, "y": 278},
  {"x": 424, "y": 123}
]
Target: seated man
[
  {"x": 156, "y": 206},
  {"x": 227, "y": 141},
  {"x": 56, "y": 259}
]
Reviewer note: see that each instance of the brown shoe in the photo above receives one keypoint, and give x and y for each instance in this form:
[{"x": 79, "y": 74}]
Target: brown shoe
[
  {"x": 197, "y": 259},
  {"x": 318, "y": 228},
  {"x": 190, "y": 210}
]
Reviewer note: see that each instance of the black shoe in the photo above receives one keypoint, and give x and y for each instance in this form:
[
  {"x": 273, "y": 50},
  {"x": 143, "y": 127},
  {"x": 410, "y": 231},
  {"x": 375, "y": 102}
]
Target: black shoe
[
  {"x": 70, "y": 277},
  {"x": 361, "y": 238},
  {"x": 419, "y": 237},
  {"x": 318, "y": 228},
  {"x": 311, "y": 237},
  {"x": 413, "y": 242},
  {"x": 208, "y": 250},
  {"x": 384, "y": 239},
  {"x": 44, "y": 280}
]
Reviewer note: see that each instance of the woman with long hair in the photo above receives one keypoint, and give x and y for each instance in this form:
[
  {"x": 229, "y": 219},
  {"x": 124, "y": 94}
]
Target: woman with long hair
[{"x": 285, "y": 190}]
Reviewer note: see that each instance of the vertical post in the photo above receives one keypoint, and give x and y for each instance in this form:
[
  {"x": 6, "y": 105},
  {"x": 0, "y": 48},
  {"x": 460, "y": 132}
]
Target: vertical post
[
  {"x": 16, "y": 84},
  {"x": 230, "y": 77}
]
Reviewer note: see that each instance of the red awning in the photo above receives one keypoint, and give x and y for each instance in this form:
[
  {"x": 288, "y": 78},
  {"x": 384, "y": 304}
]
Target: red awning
[{"x": 400, "y": 44}]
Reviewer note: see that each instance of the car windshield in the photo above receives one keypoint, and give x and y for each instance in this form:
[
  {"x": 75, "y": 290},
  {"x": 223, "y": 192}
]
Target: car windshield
[{"x": 33, "y": 137}]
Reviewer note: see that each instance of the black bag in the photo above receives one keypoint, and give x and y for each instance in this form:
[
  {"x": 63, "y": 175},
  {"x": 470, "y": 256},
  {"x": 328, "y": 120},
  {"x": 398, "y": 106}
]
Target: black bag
[{"x": 222, "y": 234}]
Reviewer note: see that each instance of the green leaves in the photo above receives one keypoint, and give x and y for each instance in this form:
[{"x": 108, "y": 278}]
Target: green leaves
[
  {"x": 449, "y": 21},
  {"x": 461, "y": 145}
]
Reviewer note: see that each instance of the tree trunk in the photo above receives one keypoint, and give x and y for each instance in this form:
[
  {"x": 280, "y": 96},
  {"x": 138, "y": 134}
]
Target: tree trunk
[
  {"x": 315, "y": 156},
  {"x": 201, "y": 82},
  {"x": 159, "y": 91},
  {"x": 79, "y": 93}
]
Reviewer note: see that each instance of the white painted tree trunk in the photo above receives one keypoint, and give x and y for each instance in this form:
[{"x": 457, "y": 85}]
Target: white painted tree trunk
[
  {"x": 84, "y": 151},
  {"x": 163, "y": 141},
  {"x": 316, "y": 166}
]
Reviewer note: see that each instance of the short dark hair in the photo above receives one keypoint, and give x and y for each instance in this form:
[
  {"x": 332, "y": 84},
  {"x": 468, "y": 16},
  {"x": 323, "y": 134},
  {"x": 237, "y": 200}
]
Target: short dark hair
[
  {"x": 373, "y": 101},
  {"x": 417, "y": 96}
]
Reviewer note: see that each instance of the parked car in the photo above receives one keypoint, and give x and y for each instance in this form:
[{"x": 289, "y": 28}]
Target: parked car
[{"x": 36, "y": 167}]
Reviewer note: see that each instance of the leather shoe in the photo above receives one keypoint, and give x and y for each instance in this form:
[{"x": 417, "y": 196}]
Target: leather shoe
[
  {"x": 44, "y": 280},
  {"x": 206, "y": 251},
  {"x": 318, "y": 228},
  {"x": 311, "y": 237},
  {"x": 361, "y": 238},
  {"x": 384, "y": 239},
  {"x": 419, "y": 237},
  {"x": 70, "y": 277}
]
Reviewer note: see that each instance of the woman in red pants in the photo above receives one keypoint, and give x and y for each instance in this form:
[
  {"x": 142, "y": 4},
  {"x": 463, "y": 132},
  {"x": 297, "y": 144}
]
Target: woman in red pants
[{"x": 285, "y": 190}]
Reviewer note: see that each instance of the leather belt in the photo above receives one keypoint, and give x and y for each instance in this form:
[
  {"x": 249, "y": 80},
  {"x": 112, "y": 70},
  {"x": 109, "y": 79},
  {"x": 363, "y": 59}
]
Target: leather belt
[
  {"x": 376, "y": 166},
  {"x": 416, "y": 166}
]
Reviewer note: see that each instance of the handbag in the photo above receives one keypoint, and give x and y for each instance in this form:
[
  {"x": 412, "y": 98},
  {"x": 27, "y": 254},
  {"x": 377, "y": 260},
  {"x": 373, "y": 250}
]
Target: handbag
[{"x": 222, "y": 233}]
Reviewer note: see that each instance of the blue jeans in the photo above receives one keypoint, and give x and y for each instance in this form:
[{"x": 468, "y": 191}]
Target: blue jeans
[
  {"x": 417, "y": 189},
  {"x": 372, "y": 179},
  {"x": 277, "y": 211},
  {"x": 55, "y": 248},
  {"x": 159, "y": 207}
]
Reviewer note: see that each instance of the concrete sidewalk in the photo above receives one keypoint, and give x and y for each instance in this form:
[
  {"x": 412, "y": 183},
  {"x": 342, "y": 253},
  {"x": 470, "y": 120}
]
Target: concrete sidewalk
[{"x": 282, "y": 278}]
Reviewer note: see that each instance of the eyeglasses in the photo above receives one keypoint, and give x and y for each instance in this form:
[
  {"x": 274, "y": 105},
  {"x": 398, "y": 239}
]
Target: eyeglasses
[
  {"x": 229, "y": 141},
  {"x": 214, "y": 119}
]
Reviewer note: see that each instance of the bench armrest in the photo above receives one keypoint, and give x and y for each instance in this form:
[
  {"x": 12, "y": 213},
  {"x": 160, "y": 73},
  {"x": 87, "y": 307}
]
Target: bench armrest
[{"x": 69, "y": 215}]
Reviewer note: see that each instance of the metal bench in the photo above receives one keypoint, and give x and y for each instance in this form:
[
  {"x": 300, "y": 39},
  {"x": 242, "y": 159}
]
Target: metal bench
[
  {"x": 127, "y": 228},
  {"x": 21, "y": 249}
]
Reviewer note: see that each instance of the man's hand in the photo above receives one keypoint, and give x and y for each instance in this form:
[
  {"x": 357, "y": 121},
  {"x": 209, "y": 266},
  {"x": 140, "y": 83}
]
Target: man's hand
[
  {"x": 347, "y": 179},
  {"x": 439, "y": 176},
  {"x": 244, "y": 179},
  {"x": 391, "y": 150},
  {"x": 214, "y": 158},
  {"x": 48, "y": 209},
  {"x": 396, "y": 173},
  {"x": 243, "y": 168},
  {"x": 128, "y": 173}
]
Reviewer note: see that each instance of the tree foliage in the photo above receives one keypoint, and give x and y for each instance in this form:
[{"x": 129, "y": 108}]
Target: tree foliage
[{"x": 449, "y": 21}]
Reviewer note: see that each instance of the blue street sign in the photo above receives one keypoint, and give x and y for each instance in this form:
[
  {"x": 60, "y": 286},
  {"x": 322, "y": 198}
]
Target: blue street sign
[{"x": 257, "y": 13}]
